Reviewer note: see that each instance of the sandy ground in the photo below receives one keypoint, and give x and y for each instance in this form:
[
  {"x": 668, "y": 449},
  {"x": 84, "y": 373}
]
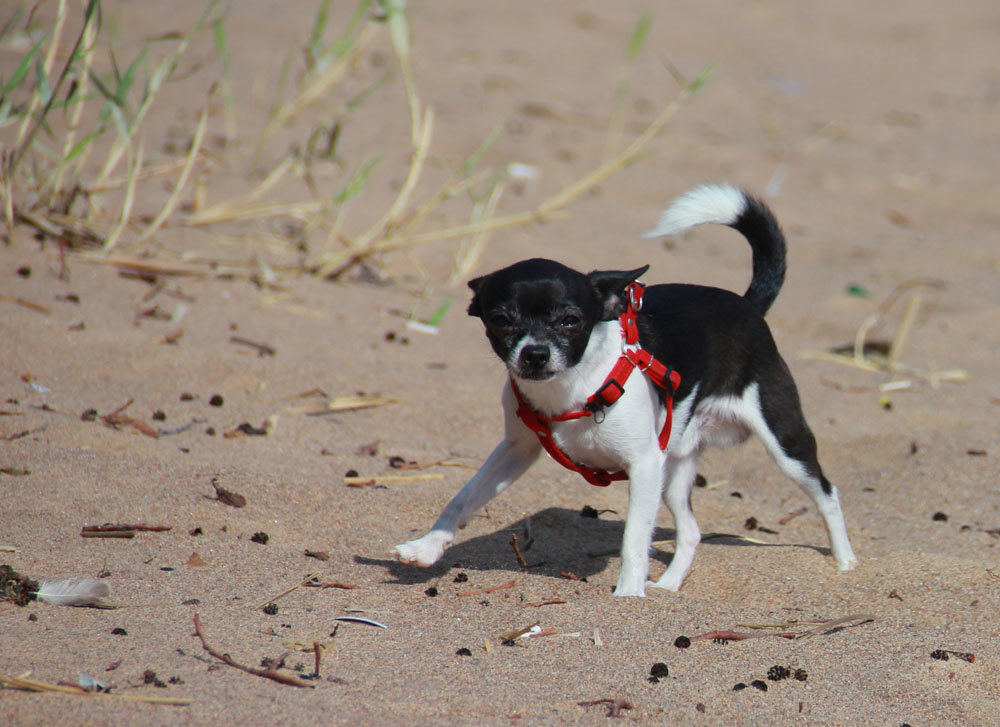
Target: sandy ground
[{"x": 871, "y": 129}]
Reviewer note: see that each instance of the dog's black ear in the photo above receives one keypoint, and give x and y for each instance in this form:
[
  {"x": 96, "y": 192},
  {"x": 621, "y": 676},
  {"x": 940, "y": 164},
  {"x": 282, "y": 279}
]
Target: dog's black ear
[
  {"x": 475, "y": 307},
  {"x": 610, "y": 288}
]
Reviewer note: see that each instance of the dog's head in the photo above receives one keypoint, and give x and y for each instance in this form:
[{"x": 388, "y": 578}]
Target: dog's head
[{"x": 539, "y": 313}]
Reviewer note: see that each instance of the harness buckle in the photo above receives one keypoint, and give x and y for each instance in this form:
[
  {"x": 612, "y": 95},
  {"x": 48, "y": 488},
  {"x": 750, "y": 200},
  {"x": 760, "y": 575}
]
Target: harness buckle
[
  {"x": 601, "y": 401},
  {"x": 635, "y": 301}
]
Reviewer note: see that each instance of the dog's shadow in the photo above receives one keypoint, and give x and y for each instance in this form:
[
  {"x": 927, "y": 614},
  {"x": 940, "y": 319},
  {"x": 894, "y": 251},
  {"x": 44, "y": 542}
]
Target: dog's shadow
[{"x": 553, "y": 542}]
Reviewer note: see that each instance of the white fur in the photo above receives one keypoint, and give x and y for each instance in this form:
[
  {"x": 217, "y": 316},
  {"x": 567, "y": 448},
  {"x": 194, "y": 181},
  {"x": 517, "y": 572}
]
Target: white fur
[
  {"x": 720, "y": 204},
  {"x": 625, "y": 437}
]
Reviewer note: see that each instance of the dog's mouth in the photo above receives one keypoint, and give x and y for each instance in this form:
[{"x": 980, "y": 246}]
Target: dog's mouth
[{"x": 533, "y": 374}]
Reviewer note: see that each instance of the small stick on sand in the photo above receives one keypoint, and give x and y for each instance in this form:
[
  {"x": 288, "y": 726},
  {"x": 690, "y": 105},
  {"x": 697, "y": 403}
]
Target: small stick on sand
[
  {"x": 270, "y": 672},
  {"x": 486, "y": 590},
  {"x": 517, "y": 552}
]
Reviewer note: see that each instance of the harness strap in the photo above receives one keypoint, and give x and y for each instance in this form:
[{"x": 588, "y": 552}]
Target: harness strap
[{"x": 633, "y": 357}]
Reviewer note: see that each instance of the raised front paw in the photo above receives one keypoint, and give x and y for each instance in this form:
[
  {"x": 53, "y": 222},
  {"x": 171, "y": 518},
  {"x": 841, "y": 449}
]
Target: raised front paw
[{"x": 425, "y": 551}]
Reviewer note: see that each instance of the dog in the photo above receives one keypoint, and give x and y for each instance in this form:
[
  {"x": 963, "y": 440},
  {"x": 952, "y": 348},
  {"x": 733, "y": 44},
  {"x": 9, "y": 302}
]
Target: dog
[{"x": 560, "y": 332}]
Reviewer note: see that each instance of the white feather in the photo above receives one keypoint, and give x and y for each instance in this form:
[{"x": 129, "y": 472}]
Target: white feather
[
  {"x": 720, "y": 204},
  {"x": 73, "y": 591}
]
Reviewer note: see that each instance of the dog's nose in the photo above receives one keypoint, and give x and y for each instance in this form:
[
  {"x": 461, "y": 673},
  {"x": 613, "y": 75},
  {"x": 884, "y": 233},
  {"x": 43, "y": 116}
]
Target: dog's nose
[{"x": 535, "y": 355}]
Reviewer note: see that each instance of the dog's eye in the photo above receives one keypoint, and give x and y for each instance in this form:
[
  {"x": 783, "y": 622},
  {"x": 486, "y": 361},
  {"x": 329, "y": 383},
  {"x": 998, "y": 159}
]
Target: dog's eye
[
  {"x": 569, "y": 321},
  {"x": 501, "y": 320}
]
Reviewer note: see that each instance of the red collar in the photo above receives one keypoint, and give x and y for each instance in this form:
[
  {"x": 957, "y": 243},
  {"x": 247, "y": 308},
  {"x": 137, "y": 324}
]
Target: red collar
[{"x": 633, "y": 357}]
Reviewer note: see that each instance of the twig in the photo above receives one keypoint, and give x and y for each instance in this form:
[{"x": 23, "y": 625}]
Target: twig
[
  {"x": 739, "y": 635},
  {"x": 310, "y": 577},
  {"x": 486, "y": 590},
  {"x": 110, "y": 527},
  {"x": 517, "y": 552},
  {"x": 262, "y": 348},
  {"x": 26, "y": 304},
  {"x": 550, "y": 602},
  {"x": 792, "y": 515},
  {"x": 270, "y": 672},
  {"x": 615, "y": 706},
  {"x": 361, "y": 480},
  {"x": 33, "y": 685}
]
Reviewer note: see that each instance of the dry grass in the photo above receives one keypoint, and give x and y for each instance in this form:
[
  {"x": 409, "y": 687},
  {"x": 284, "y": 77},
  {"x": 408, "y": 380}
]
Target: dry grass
[{"x": 71, "y": 196}]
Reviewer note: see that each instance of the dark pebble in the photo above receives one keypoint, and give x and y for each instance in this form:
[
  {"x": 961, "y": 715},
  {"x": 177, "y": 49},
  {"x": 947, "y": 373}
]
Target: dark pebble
[
  {"x": 89, "y": 415},
  {"x": 682, "y": 642},
  {"x": 260, "y": 537},
  {"x": 119, "y": 631},
  {"x": 939, "y": 517},
  {"x": 461, "y": 578},
  {"x": 216, "y": 400},
  {"x": 801, "y": 675},
  {"x": 739, "y": 686},
  {"x": 187, "y": 396},
  {"x": 758, "y": 684},
  {"x": 464, "y": 652},
  {"x": 271, "y": 609},
  {"x": 588, "y": 511},
  {"x": 159, "y": 415},
  {"x": 191, "y": 602},
  {"x": 939, "y": 654},
  {"x": 659, "y": 670},
  {"x": 432, "y": 591},
  {"x": 24, "y": 271}
]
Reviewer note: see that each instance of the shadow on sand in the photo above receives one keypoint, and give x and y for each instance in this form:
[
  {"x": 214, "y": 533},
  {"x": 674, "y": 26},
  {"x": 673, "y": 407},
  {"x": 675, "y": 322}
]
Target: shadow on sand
[{"x": 553, "y": 541}]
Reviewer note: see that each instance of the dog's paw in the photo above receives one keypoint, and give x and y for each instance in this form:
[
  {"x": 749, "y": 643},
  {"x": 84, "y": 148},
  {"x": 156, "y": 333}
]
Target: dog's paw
[
  {"x": 628, "y": 587},
  {"x": 847, "y": 564},
  {"x": 669, "y": 581},
  {"x": 425, "y": 551}
]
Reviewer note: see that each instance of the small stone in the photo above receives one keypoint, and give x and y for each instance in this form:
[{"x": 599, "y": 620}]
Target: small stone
[
  {"x": 682, "y": 642},
  {"x": 939, "y": 517},
  {"x": 271, "y": 609},
  {"x": 463, "y": 652},
  {"x": 659, "y": 670},
  {"x": 758, "y": 684},
  {"x": 119, "y": 631},
  {"x": 739, "y": 686},
  {"x": 432, "y": 591},
  {"x": 260, "y": 537},
  {"x": 216, "y": 400}
]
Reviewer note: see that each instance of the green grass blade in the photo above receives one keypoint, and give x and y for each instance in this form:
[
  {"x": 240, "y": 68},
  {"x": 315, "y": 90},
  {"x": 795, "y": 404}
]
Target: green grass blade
[
  {"x": 639, "y": 35},
  {"x": 357, "y": 182},
  {"x": 42, "y": 86},
  {"x": 22, "y": 68},
  {"x": 473, "y": 159}
]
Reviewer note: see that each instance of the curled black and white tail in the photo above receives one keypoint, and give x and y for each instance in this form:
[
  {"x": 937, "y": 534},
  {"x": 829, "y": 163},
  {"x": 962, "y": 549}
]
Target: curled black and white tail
[{"x": 724, "y": 204}]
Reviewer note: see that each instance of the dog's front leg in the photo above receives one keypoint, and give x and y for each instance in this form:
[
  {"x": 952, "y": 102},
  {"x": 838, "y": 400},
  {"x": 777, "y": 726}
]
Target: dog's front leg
[
  {"x": 645, "y": 482},
  {"x": 509, "y": 460}
]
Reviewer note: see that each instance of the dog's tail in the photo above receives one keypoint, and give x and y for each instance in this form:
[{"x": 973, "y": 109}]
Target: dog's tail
[{"x": 724, "y": 204}]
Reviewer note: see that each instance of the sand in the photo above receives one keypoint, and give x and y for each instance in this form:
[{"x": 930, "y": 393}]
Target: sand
[{"x": 870, "y": 129}]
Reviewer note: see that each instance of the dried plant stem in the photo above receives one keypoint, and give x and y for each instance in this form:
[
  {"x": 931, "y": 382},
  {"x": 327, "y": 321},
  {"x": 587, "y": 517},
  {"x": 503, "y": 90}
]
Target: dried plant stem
[
  {"x": 269, "y": 673},
  {"x": 359, "y": 247},
  {"x": 33, "y": 685},
  {"x": 113, "y": 236},
  {"x": 318, "y": 86},
  {"x": 168, "y": 208},
  {"x": 295, "y": 587}
]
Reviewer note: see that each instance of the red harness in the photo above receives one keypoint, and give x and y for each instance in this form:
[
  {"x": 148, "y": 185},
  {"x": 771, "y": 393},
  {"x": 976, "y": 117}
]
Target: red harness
[{"x": 633, "y": 357}]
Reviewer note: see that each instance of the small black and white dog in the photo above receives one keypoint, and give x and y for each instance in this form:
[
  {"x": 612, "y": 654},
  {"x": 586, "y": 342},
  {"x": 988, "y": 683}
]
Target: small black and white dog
[{"x": 561, "y": 332}]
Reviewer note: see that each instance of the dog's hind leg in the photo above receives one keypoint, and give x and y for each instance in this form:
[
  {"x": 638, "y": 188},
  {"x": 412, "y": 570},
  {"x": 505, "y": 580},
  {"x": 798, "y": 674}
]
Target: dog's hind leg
[
  {"x": 679, "y": 477},
  {"x": 775, "y": 416}
]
